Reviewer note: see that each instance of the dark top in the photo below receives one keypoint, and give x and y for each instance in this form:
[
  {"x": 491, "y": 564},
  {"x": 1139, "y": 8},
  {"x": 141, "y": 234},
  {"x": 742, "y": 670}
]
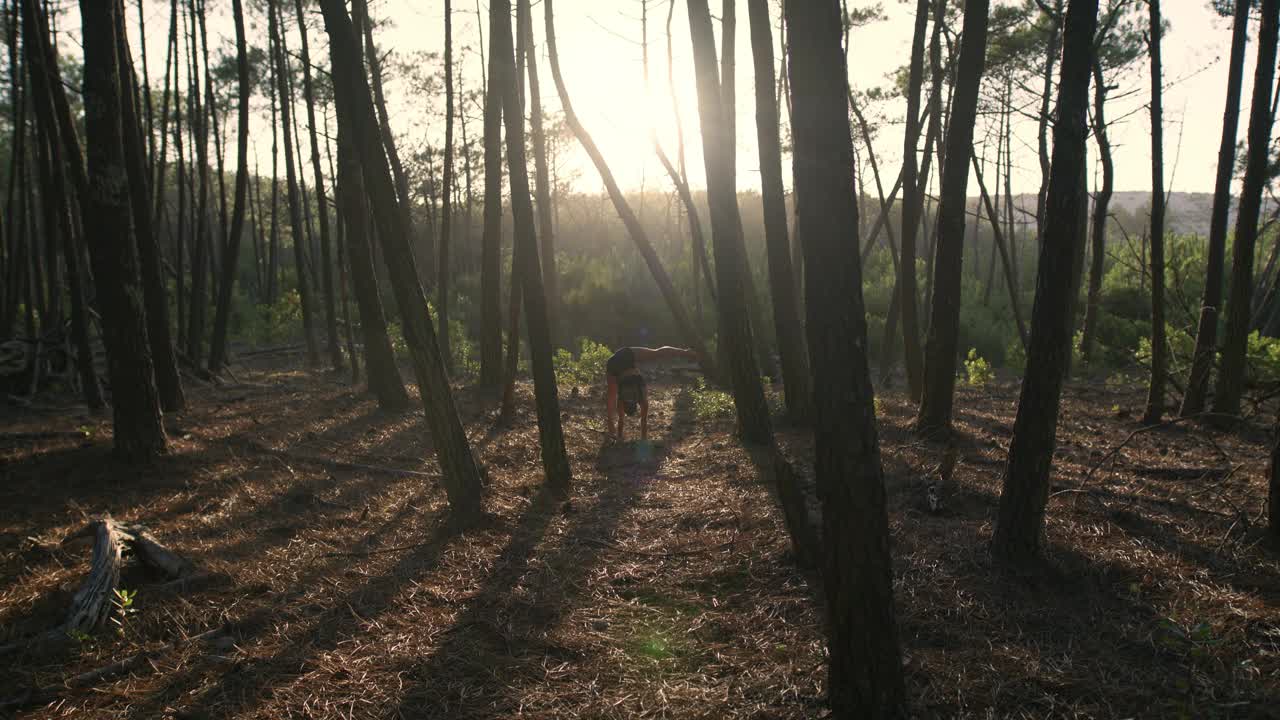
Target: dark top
[{"x": 621, "y": 361}]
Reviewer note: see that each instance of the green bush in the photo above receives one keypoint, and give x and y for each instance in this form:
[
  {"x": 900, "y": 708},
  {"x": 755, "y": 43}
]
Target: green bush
[
  {"x": 588, "y": 367},
  {"x": 978, "y": 372},
  {"x": 711, "y": 404}
]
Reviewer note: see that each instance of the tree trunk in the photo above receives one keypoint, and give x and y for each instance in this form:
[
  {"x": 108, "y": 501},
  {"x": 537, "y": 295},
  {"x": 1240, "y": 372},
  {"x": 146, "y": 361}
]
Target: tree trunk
[
  {"x": 446, "y": 211},
  {"x": 460, "y": 470},
  {"x": 728, "y": 84},
  {"x": 326, "y": 264},
  {"x": 912, "y": 202},
  {"x": 864, "y": 663},
  {"x": 154, "y": 295},
  {"x": 732, "y": 273},
  {"x": 138, "y": 431},
  {"x": 491, "y": 240},
  {"x": 1193, "y": 397},
  {"x": 944, "y": 327},
  {"x": 197, "y": 124},
  {"x": 43, "y": 77},
  {"x": 217, "y": 244},
  {"x": 231, "y": 256},
  {"x": 786, "y": 316},
  {"x": 1273, "y": 486},
  {"x": 1101, "y": 207},
  {"x": 688, "y": 331},
  {"x": 1159, "y": 347},
  {"x": 1230, "y": 384},
  {"x": 525, "y": 256},
  {"x": 1020, "y": 522},
  {"x": 542, "y": 184},
  {"x": 1051, "y": 51},
  {"x": 291, "y": 179}
]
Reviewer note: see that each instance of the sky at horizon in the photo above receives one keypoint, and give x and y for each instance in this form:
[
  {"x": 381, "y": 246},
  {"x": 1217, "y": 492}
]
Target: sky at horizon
[{"x": 601, "y": 59}]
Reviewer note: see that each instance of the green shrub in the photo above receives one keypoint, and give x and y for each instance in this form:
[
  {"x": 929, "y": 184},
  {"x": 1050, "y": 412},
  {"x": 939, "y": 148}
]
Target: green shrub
[
  {"x": 709, "y": 403},
  {"x": 588, "y": 367},
  {"x": 978, "y": 372}
]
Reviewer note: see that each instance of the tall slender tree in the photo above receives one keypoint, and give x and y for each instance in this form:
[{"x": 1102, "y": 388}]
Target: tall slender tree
[
  {"x": 1193, "y": 399},
  {"x": 461, "y": 473},
  {"x": 912, "y": 203},
  {"x": 554, "y": 460},
  {"x": 1020, "y": 523},
  {"x": 1101, "y": 205},
  {"x": 138, "y": 431},
  {"x": 864, "y": 661},
  {"x": 732, "y": 273},
  {"x": 786, "y": 314},
  {"x": 296, "y": 224},
  {"x": 444, "y": 266},
  {"x": 1230, "y": 385},
  {"x": 491, "y": 240},
  {"x": 541, "y": 181},
  {"x": 1159, "y": 345},
  {"x": 231, "y": 256},
  {"x": 944, "y": 326},
  {"x": 326, "y": 263}
]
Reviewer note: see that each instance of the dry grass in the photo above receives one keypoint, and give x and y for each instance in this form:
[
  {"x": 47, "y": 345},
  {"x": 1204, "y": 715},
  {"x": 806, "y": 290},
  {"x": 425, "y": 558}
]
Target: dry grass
[{"x": 661, "y": 588}]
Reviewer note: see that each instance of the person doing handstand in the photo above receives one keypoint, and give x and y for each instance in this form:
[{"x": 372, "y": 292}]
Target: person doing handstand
[{"x": 626, "y": 384}]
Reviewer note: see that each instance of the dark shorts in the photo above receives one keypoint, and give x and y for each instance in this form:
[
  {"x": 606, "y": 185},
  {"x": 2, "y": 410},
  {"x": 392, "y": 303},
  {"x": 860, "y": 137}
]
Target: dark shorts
[{"x": 630, "y": 392}]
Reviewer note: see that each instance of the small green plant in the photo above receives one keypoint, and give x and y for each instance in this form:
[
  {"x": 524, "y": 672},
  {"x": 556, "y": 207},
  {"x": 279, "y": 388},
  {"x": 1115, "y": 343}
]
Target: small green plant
[
  {"x": 79, "y": 636},
  {"x": 123, "y": 601},
  {"x": 879, "y": 406},
  {"x": 709, "y": 403},
  {"x": 978, "y": 371}
]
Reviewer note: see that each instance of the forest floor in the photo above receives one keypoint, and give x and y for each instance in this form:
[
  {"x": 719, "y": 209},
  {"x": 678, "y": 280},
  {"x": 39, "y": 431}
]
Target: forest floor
[{"x": 662, "y": 587}]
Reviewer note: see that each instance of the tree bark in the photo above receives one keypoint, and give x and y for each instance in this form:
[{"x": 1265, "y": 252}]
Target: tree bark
[
  {"x": 446, "y": 211},
  {"x": 138, "y": 431},
  {"x": 231, "y": 256},
  {"x": 944, "y": 327},
  {"x": 732, "y": 274},
  {"x": 864, "y": 663},
  {"x": 1159, "y": 346},
  {"x": 460, "y": 470},
  {"x": 1193, "y": 398},
  {"x": 1020, "y": 522},
  {"x": 1235, "y": 340},
  {"x": 786, "y": 315},
  {"x": 542, "y": 184}
]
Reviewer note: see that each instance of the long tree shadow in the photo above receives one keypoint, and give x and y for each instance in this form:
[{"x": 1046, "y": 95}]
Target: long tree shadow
[{"x": 504, "y": 637}]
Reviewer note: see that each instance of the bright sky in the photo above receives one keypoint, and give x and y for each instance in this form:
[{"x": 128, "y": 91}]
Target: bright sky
[{"x": 599, "y": 44}]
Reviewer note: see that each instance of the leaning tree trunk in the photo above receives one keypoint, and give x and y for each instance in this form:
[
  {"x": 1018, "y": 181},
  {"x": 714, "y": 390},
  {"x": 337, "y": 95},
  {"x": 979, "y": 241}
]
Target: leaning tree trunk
[
  {"x": 687, "y": 330},
  {"x": 1230, "y": 385},
  {"x": 231, "y": 256},
  {"x": 944, "y": 327},
  {"x": 1193, "y": 398},
  {"x": 1020, "y": 523},
  {"x": 461, "y": 473},
  {"x": 291, "y": 184},
  {"x": 732, "y": 279},
  {"x": 1159, "y": 346},
  {"x": 864, "y": 661},
  {"x": 309, "y": 96},
  {"x": 525, "y": 256},
  {"x": 786, "y": 315},
  {"x": 138, "y": 431},
  {"x": 1102, "y": 204},
  {"x": 43, "y": 77}
]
